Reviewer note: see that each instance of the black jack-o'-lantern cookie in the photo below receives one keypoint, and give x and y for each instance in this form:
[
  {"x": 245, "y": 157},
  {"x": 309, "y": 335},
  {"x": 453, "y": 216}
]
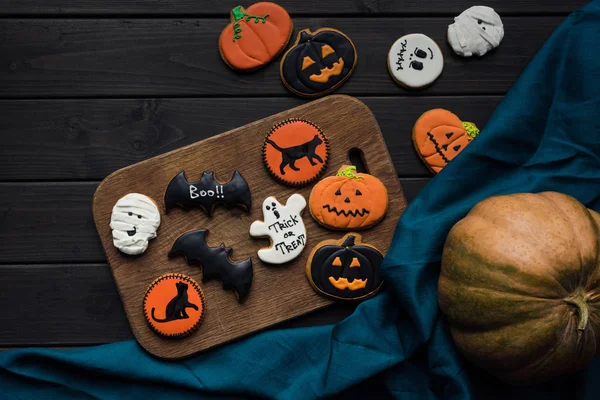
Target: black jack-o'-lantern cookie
[
  {"x": 318, "y": 63},
  {"x": 174, "y": 305},
  {"x": 345, "y": 269},
  {"x": 296, "y": 152}
]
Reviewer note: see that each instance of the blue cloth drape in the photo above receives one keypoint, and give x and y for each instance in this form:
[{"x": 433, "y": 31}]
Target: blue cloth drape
[{"x": 545, "y": 135}]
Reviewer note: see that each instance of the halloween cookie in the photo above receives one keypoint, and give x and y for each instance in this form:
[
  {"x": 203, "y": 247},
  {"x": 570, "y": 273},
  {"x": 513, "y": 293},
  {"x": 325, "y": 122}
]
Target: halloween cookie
[
  {"x": 214, "y": 261},
  {"x": 348, "y": 200},
  {"x": 476, "y": 30},
  {"x": 296, "y": 152},
  {"x": 208, "y": 192},
  {"x": 255, "y": 36},
  {"x": 134, "y": 221},
  {"x": 415, "y": 61},
  {"x": 284, "y": 227},
  {"x": 318, "y": 63},
  {"x": 174, "y": 305},
  {"x": 439, "y": 135},
  {"x": 345, "y": 269}
]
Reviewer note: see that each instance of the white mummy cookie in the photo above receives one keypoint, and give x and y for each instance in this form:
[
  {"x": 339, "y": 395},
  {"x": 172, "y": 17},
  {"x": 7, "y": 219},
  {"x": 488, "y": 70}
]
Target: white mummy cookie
[
  {"x": 134, "y": 220},
  {"x": 476, "y": 30},
  {"x": 284, "y": 226},
  {"x": 415, "y": 61}
]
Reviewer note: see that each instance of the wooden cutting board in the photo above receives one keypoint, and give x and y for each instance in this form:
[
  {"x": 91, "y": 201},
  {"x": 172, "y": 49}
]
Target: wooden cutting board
[{"x": 278, "y": 293}]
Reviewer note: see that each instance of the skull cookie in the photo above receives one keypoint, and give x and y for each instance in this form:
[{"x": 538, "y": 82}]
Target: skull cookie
[
  {"x": 284, "y": 226},
  {"x": 415, "y": 61},
  {"x": 134, "y": 220}
]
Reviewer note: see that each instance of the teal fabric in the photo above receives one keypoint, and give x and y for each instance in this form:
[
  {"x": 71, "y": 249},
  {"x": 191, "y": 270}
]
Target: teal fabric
[{"x": 544, "y": 136}]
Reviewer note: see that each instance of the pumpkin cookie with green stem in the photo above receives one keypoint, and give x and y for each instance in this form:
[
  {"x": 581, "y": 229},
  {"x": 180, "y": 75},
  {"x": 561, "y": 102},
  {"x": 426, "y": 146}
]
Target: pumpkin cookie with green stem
[{"x": 439, "y": 136}]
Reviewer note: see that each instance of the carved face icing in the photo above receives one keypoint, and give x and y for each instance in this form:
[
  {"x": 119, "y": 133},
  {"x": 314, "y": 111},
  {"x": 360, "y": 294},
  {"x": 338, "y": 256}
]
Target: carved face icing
[
  {"x": 134, "y": 220},
  {"x": 284, "y": 226},
  {"x": 415, "y": 61},
  {"x": 476, "y": 30}
]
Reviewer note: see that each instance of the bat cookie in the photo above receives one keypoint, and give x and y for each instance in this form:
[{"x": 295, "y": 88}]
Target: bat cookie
[
  {"x": 345, "y": 269},
  {"x": 296, "y": 152},
  {"x": 208, "y": 192},
  {"x": 174, "y": 305},
  {"x": 415, "y": 61},
  {"x": 439, "y": 135},
  {"x": 134, "y": 221},
  {"x": 318, "y": 63},
  {"x": 214, "y": 261},
  {"x": 348, "y": 200},
  {"x": 255, "y": 36},
  {"x": 284, "y": 226}
]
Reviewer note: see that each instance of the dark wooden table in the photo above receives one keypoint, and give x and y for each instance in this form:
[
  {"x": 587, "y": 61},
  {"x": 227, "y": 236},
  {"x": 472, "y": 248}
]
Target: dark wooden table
[{"x": 88, "y": 87}]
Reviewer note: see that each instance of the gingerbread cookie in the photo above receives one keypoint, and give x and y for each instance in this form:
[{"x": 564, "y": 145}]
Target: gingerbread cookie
[
  {"x": 439, "y": 135},
  {"x": 348, "y": 200},
  {"x": 255, "y": 36},
  {"x": 284, "y": 226},
  {"x": 174, "y": 305},
  {"x": 214, "y": 261},
  {"x": 415, "y": 61},
  {"x": 296, "y": 152},
  {"x": 134, "y": 221},
  {"x": 476, "y": 30},
  {"x": 208, "y": 192},
  {"x": 318, "y": 63},
  {"x": 345, "y": 269}
]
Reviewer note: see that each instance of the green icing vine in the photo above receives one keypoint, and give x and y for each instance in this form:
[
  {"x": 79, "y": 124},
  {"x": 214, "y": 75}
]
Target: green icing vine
[
  {"x": 348, "y": 172},
  {"x": 471, "y": 129},
  {"x": 238, "y": 15}
]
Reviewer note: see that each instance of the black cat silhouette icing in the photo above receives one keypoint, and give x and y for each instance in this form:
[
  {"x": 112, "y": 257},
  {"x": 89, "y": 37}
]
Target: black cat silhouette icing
[
  {"x": 289, "y": 155},
  {"x": 176, "y": 308}
]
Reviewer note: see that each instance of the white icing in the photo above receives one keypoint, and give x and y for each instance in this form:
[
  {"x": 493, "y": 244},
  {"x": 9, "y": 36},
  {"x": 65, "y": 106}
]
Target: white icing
[
  {"x": 476, "y": 30},
  {"x": 286, "y": 231},
  {"x": 144, "y": 220},
  {"x": 411, "y": 52}
]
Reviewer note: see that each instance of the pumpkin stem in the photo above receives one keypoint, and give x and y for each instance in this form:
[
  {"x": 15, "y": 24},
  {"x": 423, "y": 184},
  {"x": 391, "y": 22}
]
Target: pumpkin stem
[
  {"x": 239, "y": 13},
  {"x": 471, "y": 129},
  {"x": 349, "y": 242},
  {"x": 348, "y": 172},
  {"x": 580, "y": 302}
]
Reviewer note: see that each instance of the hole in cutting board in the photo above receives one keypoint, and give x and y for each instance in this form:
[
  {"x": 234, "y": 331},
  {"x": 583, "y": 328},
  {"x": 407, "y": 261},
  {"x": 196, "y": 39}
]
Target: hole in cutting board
[{"x": 357, "y": 158}]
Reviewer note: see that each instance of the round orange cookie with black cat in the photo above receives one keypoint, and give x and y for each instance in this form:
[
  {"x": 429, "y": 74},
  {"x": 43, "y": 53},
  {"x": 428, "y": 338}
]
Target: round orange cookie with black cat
[
  {"x": 296, "y": 152},
  {"x": 174, "y": 305}
]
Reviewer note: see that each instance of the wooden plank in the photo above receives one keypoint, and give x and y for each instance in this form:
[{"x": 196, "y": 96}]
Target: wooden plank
[
  {"x": 89, "y": 139},
  {"x": 52, "y": 222},
  {"x": 170, "y": 57},
  {"x": 307, "y": 7}
]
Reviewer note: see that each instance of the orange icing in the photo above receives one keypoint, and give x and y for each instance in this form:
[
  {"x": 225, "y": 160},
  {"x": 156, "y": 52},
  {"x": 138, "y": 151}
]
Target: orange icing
[
  {"x": 342, "y": 283},
  {"x": 354, "y": 263}
]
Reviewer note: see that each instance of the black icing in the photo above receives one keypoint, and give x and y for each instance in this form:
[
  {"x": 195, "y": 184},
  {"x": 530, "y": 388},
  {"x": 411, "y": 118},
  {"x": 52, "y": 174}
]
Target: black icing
[
  {"x": 214, "y": 261},
  {"x": 208, "y": 192}
]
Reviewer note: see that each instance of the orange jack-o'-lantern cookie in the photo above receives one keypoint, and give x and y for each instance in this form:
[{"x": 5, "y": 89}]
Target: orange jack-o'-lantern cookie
[
  {"x": 348, "y": 200},
  {"x": 439, "y": 135},
  {"x": 255, "y": 36},
  {"x": 174, "y": 305},
  {"x": 296, "y": 152}
]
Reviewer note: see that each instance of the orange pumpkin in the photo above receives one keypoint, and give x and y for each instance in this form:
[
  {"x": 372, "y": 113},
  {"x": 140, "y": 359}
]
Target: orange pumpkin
[
  {"x": 439, "y": 135},
  {"x": 255, "y": 36},
  {"x": 348, "y": 200}
]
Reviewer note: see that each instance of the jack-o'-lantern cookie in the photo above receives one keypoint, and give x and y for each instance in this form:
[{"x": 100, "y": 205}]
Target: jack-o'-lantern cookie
[
  {"x": 348, "y": 200},
  {"x": 439, "y": 135},
  {"x": 318, "y": 63},
  {"x": 134, "y": 221},
  {"x": 296, "y": 152},
  {"x": 345, "y": 269},
  {"x": 255, "y": 36},
  {"x": 415, "y": 61},
  {"x": 174, "y": 305}
]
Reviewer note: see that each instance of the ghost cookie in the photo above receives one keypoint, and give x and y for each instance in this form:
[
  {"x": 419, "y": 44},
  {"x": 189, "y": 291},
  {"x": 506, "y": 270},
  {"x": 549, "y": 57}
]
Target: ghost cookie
[
  {"x": 284, "y": 227},
  {"x": 476, "y": 30},
  {"x": 439, "y": 135},
  {"x": 134, "y": 220},
  {"x": 255, "y": 36},
  {"x": 415, "y": 61}
]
